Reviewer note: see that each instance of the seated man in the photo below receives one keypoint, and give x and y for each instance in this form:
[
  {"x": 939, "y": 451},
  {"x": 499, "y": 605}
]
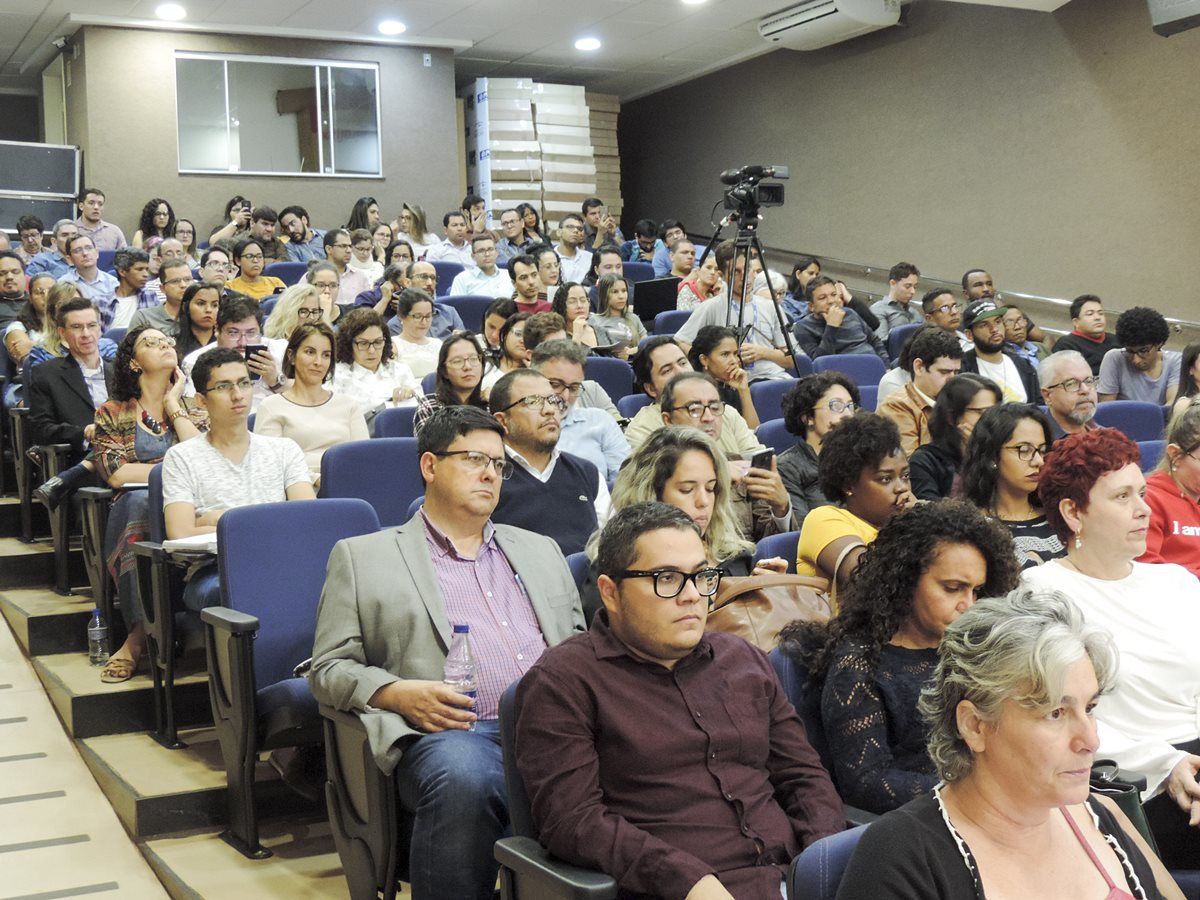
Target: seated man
[
  {"x": 1143, "y": 370},
  {"x": 897, "y": 308},
  {"x": 175, "y": 277},
  {"x": 984, "y": 320},
  {"x": 942, "y": 309},
  {"x": 831, "y": 327},
  {"x": 1088, "y": 336},
  {"x": 655, "y": 364},
  {"x": 682, "y": 257},
  {"x": 549, "y": 492},
  {"x": 645, "y": 243},
  {"x": 587, "y": 432},
  {"x": 13, "y": 295},
  {"x": 55, "y": 260},
  {"x": 599, "y": 226},
  {"x": 689, "y": 773},
  {"x": 131, "y": 294},
  {"x": 673, "y": 231},
  {"x": 454, "y": 246},
  {"x": 932, "y": 359},
  {"x": 420, "y": 275},
  {"x": 523, "y": 272},
  {"x": 169, "y": 250},
  {"x": 1068, "y": 389},
  {"x": 383, "y": 629},
  {"x": 239, "y": 325},
  {"x": 97, "y": 286},
  {"x": 487, "y": 279},
  {"x": 513, "y": 242},
  {"x": 305, "y": 243},
  {"x": 1016, "y": 337},
  {"x": 549, "y": 326}
]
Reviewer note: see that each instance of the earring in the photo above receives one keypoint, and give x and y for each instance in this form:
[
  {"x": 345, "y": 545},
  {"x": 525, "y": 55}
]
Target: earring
[
  {"x": 136, "y": 370},
  {"x": 849, "y": 493},
  {"x": 1078, "y": 542}
]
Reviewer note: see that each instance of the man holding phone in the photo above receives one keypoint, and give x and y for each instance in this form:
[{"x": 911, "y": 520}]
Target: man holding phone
[
  {"x": 599, "y": 227},
  {"x": 239, "y": 327}
]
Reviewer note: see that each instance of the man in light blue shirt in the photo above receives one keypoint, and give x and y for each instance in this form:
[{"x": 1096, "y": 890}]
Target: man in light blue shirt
[
  {"x": 487, "y": 279},
  {"x": 304, "y": 243},
  {"x": 97, "y": 286},
  {"x": 54, "y": 261}
]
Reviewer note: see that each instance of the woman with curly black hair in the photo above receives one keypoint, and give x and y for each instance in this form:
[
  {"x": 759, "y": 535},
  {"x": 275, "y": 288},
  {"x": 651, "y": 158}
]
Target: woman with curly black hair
[
  {"x": 1142, "y": 370},
  {"x": 157, "y": 220},
  {"x": 926, "y": 567},
  {"x": 935, "y": 466},
  {"x": 863, "y": 471},
  {"x": 810, "y": 410},
  {"x": 715, "y": 351}
]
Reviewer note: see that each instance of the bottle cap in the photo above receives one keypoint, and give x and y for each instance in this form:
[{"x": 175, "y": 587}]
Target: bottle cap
[{"x": 462, "y": 629}]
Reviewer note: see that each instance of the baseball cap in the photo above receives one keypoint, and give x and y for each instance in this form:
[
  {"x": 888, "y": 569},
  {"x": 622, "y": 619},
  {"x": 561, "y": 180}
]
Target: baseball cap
[{"x": 978, "y": 310}]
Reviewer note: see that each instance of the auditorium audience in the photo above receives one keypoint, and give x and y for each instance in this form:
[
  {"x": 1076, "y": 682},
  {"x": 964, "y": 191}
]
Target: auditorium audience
[
  {"x": 458, "y": 381},
  {"x": 104, "y": 235},
  {"x": 1013, "y": 736},
  {"x": 1016, "y": 337},
  {"x": 1173, "y": 495},
  {"x": 831, "y": 327},
  {"x": 487, "y": 278},
  {"x": 338, "y": 250},
  {"x": 197, "y": 322},
  {"x": 157, "y": 220},
  {"x": 216, "y": 268},
  {"x": 673, "y": 231},
  {"x": 715, "y": 352},
  {"x": 703, "y": 283},
  {"x": 599, "y": 227},
  {"x": 185, "y": 233},
  {"x": 534, "y": 232},
  {"x": 366, "y": 371},
  {"x": 1091, "y": 488},
  {"x": 1088, "y": 336},
  {"x": 1069, "y": 392},
  {"x": 362, "y": 256},
  {"x": 935, "y": 467},
  {"x": 804, "y": 270},
  {"x": 871, "y": 661},
  {"x": 942, "y": 309},
  {"x": 522, "y": 270},
  {"x": 512, "y": 354},
  {"x": 615, "y": 321},
  {"x": 55, "y": 261},
  {"x": 1142, "y": 370},
  {"x": 413, "y": 345},
  {"x": 174, "y": 277},
  {"x": 301, "y": 302},
  {"x": 364, "y": 214},
  {"x": 249, "y": 256},
  {"x": 932, "y": 358},
  {"x": 1017, "y": 379},
  {"x": 512, "y": 242},
  {"x": 896, "y": 307},
  {"x": 549, "y": 270},
  {"x": 1189, "y": 376},
  {"x": 668, "y": 810},
  {"x": 400, "y": 253},
  {"x": 494, "y": 318},
  {"x": 306, "y": 411},
  {"x": 239, "y": 327},
  {"x": 24, "y": 331},
  {"x": 236, "y": 220},
  {"x": 811, "y": 408},
  {"x": 382, "y": 238},
  {"x": 131, "y": 294},
  {"x": 423, "y": 276},
  {"x": 29, "y": 233}
]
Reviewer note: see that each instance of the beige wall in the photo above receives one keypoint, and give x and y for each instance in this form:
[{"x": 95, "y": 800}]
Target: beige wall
[
  {"x": 121, "y": 110},
  {"x": 1059, "y": 150}
]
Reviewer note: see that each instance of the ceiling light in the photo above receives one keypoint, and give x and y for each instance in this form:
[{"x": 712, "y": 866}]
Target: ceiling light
[
  {"x": 172, "y": 12},
  {"x": 587, "y": 44},
  {"x": 692, "y": 2},
  {"x": 392, "y": 27}
]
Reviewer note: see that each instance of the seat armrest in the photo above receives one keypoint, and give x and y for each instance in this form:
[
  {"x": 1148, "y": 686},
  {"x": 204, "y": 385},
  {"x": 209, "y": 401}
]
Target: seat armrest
[
  {"x": 856, "y": 816},
  {"x": 229, "y": 620},
  {"x": 348, "y": 720},
  {"x": 543, "y": 875},
  {"x": 94, "y": 494},
  {"x": 54, "y": 458}
]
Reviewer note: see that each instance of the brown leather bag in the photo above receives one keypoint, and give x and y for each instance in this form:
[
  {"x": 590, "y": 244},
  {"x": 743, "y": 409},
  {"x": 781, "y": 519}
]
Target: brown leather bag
[{"x": 757, "y": 607}]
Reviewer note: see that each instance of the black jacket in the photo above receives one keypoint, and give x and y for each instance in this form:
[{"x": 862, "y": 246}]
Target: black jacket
[
  {"x": 933, "y": 467},
  {"x": 1029, "y": 378},
  {"x": 60, "y": 406}
]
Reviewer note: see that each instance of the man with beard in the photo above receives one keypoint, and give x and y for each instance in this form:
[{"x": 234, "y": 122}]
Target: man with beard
[
  {"x": 984, "y": 321},
  {"x": 304, "y": 242},
  {"x": 12, "y": 287},
  {"x": 1069, "y": 392}
]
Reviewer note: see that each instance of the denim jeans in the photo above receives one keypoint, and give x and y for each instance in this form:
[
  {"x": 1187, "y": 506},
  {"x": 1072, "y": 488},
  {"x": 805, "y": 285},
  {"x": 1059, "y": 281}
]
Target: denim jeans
[{"x": 453, "y": 783}]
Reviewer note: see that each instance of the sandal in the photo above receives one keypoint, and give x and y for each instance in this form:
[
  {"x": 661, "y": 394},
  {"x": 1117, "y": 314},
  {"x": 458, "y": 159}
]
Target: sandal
[{"x": 118, "y": 670}]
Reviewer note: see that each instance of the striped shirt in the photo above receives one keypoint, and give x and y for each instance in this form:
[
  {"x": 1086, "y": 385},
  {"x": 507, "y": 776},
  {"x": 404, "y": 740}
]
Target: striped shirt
[{"x": 486, "y": 593}]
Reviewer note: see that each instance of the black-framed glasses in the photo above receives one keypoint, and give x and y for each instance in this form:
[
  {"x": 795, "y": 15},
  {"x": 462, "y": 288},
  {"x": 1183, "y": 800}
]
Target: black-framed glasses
[
  {"x": 696, "y": 409},
  {"x": 465, "y": 362},
  {"x": 538, "y": 402},
  {"x": 477, "y": 460},
  {"x": 571, "y": 387},
  {"x": 947, "y": 308},
  {"x": 840, "y": 406},
  {"x": 1071, "y": 385},
  {"x": 1025, "y": 452},
  {"x": 1143, "y": 352},
  {"x": 668, "y": 583},
  {"x": 364, "y": 345},
  {"x": 308, "y": 312}
]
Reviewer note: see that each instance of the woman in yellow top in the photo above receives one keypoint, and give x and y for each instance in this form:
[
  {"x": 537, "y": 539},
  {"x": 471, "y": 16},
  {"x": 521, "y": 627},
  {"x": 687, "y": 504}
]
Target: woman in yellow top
[
  {"x": 248, "y": 254},
  {"x": 863, "y": 468}
]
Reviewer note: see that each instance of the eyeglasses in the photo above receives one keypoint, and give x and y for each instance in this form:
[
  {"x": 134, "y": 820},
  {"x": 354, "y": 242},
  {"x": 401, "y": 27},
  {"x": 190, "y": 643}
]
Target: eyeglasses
[
  {"x": 1025, "y": 452},
  {"x": 484, "y": 250},
  {"x": 376, "y": 344},
  {"x": 696, "y": 409},
  {"x": 153, "y": 343},
  {"x": 365, "y": 248},
  {"x": 252, "y": 257},
  {"x": 219, "y": 267},
  {"x": 224, "y": 387},
  {"x": 572, "y": 228},
  {"x": 538, "y": 402},
  {"x": 80, "y": 329},
  {"x": 465, "y": 362},
  {"x": 571, "y": 387},
  {"x": 420, "y": 317},
  {"x": 250, "y": 334},
  {"x": 1071, "y": 385},
  {"x": 425, "y": 276},
  {"x": 476, "y": 461},
  {"x": 668, "y": 583},
  {"x": 325, "y": 285},
  {"x": 841, "y": 406},
  {"x": 308, "y": 312},
  {"x": 1142, "y": 352},
  {"x": 947, "y": 308},
  {"x": 340, "y": 246},
  {"x": 187, "y": 279}
]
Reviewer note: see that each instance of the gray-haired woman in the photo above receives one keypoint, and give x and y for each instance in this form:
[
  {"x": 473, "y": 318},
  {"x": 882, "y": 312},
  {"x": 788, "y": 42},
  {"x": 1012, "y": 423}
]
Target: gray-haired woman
[{"x": 1013, "y": 736}]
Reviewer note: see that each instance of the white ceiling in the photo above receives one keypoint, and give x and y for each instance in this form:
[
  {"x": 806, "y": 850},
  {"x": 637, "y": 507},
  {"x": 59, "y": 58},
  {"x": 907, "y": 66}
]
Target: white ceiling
[{"x": 647, "y": 44}]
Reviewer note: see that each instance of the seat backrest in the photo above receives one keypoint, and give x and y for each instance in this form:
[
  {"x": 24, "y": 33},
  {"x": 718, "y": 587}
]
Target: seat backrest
[
  {"x": 783, "y": 544},
  {"x": 287, "y": 272},
  {"x": 446, "y": 273},
  {"x": 578, "y": 564},
  {"x": 268, "y": 304},
  {"x": 1136, "y": 419},
  {"x": 638, "y": 271},
  {"x": 774, "y": 434},
  {"x": 156, "y": 525},
  {"x": 1151, "y": 452},
  {"x": 116, "y": 335},
  {"x": 382, "y": 471},
  {"x": 861, "y": 368},
  {"x": 520, "y": 814},
  {"x": 868, "y": 396},
  {"x": 631, "y": 405},
  {"x": 471, "y": 308},
  {"x": 804, "y": 364},
  {"x": 806, "y": 699},
  {"x": 817, "y": 872},
  {"x": 768, "y": 397},
  {"x": 670, "y": 321},
  {"x": 898, "y": 336},
  {"x": 395, "y": 422},
  {"x": 427, "y": 383},
  {"x": 614, "y": 375},
  {"x": 105, "y": 259},
  {"x": 271, "y": 558},
  {"x": 415, "y": 505}
]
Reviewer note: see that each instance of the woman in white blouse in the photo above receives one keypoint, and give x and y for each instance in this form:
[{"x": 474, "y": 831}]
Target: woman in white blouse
[
  {"x": 366, "y": 370},
  {"x": 1091, "y": 488},
  {"x": 413, "y": 344}
]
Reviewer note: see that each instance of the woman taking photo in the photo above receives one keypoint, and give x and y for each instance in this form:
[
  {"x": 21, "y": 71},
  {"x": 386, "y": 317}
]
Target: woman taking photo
[
  {"x": 571, "y": 301},
  {"x": 715, "y": 351},
  {"x": 308, "y": 413},
  {"x": 198, "y": 317},
  {"x": 1173, "y": 494},
  {"x": 413, "y": 344},
  {"x": 1011, "y": 711},
  {"x": 248, "y": 254},
  {"x": 549, "y": 268},
  {"x": 703, "y": 284},
  {"x": 512, "y": 350},
  {"x": 297, "y": 305},
  {"x": 412, "y": 227},
  {"x": 1189, "y": 378},
  {"x": 157, "y": 220},
  {"x": 1091, "y": 487},
  {"x": 925, "y": 569},
  {"x": 459, "y": 378},
  {"x": 236, "y": 219},
  {"x": 811, "y": 408},
  {"x": 616, "y": 322},
  {"x": 146, "y": 414},
  {"x": 1000, "y": 475},
  {"x": 366, "y": 371},
  {"x": 935, "y": 466}
]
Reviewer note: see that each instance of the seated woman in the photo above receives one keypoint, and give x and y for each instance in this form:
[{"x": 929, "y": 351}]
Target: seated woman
[
  {"x": 871, "y": 660},
  {"x": 810, "y": 410},
  {"x": 145, "y": 414},
  {"x": 459, "y": 380},
  {"x": 197, "y": 324},
  {"x": 615, "y": 320},
  {"x": 399, "y": 253},
  {"x": 513, "y": 354},
  {"x": 413, "y": 344},
  {"x": 1000, "y": 475},
  {"x": 248, "y": 255},
  {"x": 935, "y": 466},
  {"x": 715, "y": 351},
  {"x": 299, "y": 304},
  {"x": 308, "y": 413},
  {"x": 362, "y": 255},
  {"x": 24, "y": 332},
  {"x": 185, "y": 233},
  {"x": 366, "y": 371},
  {"x": 703, "y": 284},
  {"x": 1091, "y": 488},
  {"x": 804, "y": 270},
  {"x": 1173, "y": 493},
  {"x": 49, "y": 345},
  {"x": 325, "y": 277},
  {"x": 571, "y": 301},
  {"x": 549, "y": 269},
  {"x": 1189, "y": 378},
  {"x": 862, "y": 469},
  {"x": 1011, "y": 711},
  {"x": 494, "y": 318}
]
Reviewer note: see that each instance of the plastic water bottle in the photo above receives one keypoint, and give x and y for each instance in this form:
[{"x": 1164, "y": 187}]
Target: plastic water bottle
[
  {"x": 97, "y": 633},
  {"x": 459, "y": 671}
]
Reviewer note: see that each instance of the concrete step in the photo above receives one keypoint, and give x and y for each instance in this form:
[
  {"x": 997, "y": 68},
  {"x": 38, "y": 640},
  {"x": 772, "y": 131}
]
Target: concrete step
[
  {"x": 89, "y": 708},
  {"x": 46, "y": 622},
  {"x": 10, "y": 518},
  {"x": 156, "y": 791},
  {"x": 32, "y": 565}
]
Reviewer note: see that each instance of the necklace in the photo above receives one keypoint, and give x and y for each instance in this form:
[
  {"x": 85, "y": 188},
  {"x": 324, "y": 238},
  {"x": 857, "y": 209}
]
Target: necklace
[{"x": 152, "y": 424}]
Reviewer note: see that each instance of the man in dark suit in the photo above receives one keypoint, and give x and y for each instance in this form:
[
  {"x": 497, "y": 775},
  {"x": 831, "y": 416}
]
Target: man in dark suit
[{"x": 65, "y": 393}]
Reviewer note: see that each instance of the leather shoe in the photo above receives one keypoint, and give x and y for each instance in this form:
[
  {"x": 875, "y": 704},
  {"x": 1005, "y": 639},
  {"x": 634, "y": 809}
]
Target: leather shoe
[{"x": 51, "y": 493}]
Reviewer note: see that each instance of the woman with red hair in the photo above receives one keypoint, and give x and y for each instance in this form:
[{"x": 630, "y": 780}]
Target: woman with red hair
[{"x": 1092, "y": 491}]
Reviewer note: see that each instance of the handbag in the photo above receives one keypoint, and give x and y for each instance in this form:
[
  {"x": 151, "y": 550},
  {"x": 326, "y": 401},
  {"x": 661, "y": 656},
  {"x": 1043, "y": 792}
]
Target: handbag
[
  {"x": 757, "y": 607},
  {"x": 1125, "y": 790}
]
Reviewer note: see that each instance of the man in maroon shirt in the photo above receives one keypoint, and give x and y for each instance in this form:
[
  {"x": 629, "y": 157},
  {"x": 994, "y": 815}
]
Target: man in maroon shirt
[{"x": 664, "y": 756}]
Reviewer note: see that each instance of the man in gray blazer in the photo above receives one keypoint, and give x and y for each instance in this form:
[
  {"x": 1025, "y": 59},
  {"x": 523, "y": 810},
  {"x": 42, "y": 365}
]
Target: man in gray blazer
[{"x": 384, "y": 628}]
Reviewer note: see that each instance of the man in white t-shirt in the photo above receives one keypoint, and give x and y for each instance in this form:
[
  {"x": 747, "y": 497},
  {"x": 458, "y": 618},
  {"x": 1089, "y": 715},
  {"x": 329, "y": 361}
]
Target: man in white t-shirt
[
  {"x": 1016, "y": 378},
  {"x": 487, "y": 279}
]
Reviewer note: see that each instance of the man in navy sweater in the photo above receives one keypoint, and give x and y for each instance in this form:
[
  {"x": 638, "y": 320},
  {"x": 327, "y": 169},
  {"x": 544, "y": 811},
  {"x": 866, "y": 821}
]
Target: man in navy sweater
[{"x": 550, "y": 492}]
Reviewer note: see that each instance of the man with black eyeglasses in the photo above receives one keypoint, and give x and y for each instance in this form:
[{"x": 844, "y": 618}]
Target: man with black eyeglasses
[
  {"x": 1069, "y": 392},
  {"x": 557, "y": 494},
  {"x": 688, "y": 774},
  {"x": 384, "y": 626},
  {"x": 239, "y": 326},
  {"x": 942, "y": 309},
  {"x": 174, "y": 277},
  {"x": 423, "y": 277},
  {"x": 1142, "y": 370}
]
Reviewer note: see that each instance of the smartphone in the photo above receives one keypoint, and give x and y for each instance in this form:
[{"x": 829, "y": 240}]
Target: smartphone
[
  {"x": 250, "y": 350},
  {"x": 762, "y": 460}
]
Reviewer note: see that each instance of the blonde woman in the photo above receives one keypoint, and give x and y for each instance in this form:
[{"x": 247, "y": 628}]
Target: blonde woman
[{"x": 299, "y": 304}]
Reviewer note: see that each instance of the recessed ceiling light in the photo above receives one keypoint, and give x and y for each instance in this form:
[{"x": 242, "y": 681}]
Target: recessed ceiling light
[
  {"x": 587, "y": 44},
  {"x": 692, "y": 2},
  {"x": 392, "y": 27},
  {"x": 172, "y": 12}
]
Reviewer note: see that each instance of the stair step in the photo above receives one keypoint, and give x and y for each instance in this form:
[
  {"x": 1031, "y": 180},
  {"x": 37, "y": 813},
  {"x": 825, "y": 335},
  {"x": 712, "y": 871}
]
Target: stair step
[
  {"x": 156, "y": 791},
  {"x": 10, "y": 518},
  {"x": 32, "y": 565},
  {"x": 46, "y": 622},
  {"x": 89, "y": 708}
]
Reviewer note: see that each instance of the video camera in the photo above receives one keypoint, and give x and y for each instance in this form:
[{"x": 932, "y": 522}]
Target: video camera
[{"x": 747, "y": 194}]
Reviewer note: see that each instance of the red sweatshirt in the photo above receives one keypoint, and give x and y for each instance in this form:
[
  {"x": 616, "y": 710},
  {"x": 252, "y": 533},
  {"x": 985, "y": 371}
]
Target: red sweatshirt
[{"x": 1174, "y": 534}]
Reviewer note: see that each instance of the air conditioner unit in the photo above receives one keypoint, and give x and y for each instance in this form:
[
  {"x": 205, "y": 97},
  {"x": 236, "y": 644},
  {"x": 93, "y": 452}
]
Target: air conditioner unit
[{"x": 819, "y": 23}]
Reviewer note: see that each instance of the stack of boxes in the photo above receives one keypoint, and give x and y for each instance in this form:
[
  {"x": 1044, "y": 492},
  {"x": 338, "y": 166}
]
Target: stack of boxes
[
  {"x": 602, "y": 118},
  {"x": 560, "y": 117},
  {"x": 504, "y": 161}
]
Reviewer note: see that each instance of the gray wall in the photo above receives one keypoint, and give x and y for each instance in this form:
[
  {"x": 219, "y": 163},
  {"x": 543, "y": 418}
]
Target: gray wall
[
  {"x": 121, "y": 110},
  {"x": 1058, "y": 150}
]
